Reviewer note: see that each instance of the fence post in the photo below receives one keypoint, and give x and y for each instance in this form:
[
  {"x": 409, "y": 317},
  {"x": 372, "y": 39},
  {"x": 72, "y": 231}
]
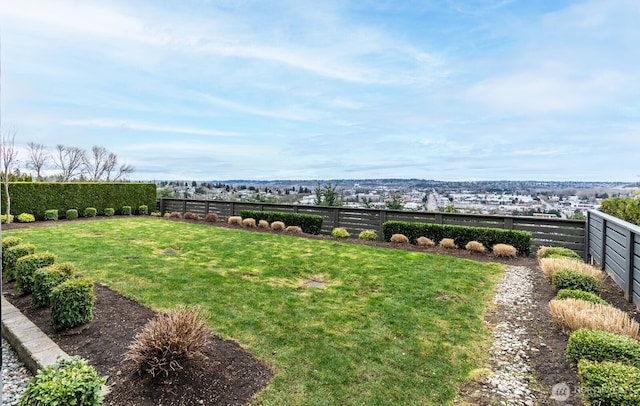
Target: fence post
[
  {"x": 162, "y": 206},
  {"x": 383, "y": 219},
  {"x": 184, "y": 206},
  {"x": 336, "y": 217},
  {"x": 508, "y": 223},
  {"x": 628, "y": 292},
  {"x": 603, "y": 257},
  {"x": 439, "y": 218},
  {"x": 587, "y": 241}
]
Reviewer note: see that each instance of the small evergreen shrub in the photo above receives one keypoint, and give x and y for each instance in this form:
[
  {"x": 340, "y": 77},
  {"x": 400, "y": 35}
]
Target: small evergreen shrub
[
  {"x": 25, "y": 218},
  {"x": 126, "y": 210},
  {"x": 72, "y": 303},
  {"x": 399, "y": 239},
  {"x": 11, "y": 257},
  {"x": 7, "y": 243},
  {"x": 425, "y": 242},
  {"x": 143, "y": 210},
  {"x": 550, "y": 266},
  {"x": 211, "y": 218},
  {"x": 557, "y": 252},
  {"x": 251, "y": 223},
  {"x": 90, "y": 212},
  {"x": 580, "y": 295},
  {"x": 277, "y": 226},
  {"x": 600, "y": 346},
  {"x": 368, "y": 235},
  {"x": 174, "y": 215},
  {"x": 3, "y": 218},
  {"x": 168, "y": 341},
  {"x": 575, "y": 280},
  {"x": 155, "y": 214},
  {"x": 191, "y": 216},
  {"x": 71, "y": 214},
  {"x": 26, "y": 266},
  {"x": 167, "y": 215},
  {"x": 340, "y": 232},
  {"x": 475, "y": 246},
  {"x": 504, "y": 251},
  {"x": 109, "y": 211},
  {"x": 609, "y": 383},
  {"x": 47, "y": 278},
  {"x": 67, "y": 382},
  {"x": 51, "y": 215},
  {"x": 448, "y": 243}
]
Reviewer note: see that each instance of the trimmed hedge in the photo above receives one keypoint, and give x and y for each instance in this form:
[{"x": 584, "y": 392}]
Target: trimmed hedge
[
  {"x": 7, "y": 243},
  {"x": 72, "y": 303},
  {"x": 26, "y": 266},
  {"x": 71, "y": 214},
  {"x": 109, "y": 211},
  {"x": 126, "y": 211},
  {"x": 38, "y": 197},
  {"x": 51, "y": 215},
  {"x": 90, "y": 212},
  {"x": 580, "y": 295},
  {"x": 47, "y": 278},
  {"x": 600, "y": 346},
  {"x": 609, "y": 383},
  {"x": 310, "y": 224},
  {"x": 489, "y": 237},
  {"x": 143, "y": 210},
  {"x": 575, "y": 280},
  {"x": 560, "y": 252},
  {"x": 11, "y": 257}
]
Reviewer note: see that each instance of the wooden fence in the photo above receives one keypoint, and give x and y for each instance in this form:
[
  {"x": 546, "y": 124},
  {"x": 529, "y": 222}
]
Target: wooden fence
[
  {"x": 545, "y": 232},
  {"x": 614, "y": 245}
]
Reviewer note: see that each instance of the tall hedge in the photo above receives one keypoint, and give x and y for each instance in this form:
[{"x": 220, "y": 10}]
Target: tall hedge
[
  {"x": 624, "y": 208},
  {"x": 38, "y": 197},
  {"x": 521, "y": 240},
  {"x": 309, "y": 223}
]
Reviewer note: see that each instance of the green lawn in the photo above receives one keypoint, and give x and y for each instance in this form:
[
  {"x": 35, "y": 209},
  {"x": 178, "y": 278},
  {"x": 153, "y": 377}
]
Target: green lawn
[{"x": 391, "y": 327}]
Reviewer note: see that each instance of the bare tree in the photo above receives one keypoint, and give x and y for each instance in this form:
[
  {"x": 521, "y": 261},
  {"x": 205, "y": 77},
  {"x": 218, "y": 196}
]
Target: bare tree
[
  {"x": 9, "y": 155},
  {"x": 110, "y": 168},
  {"x": 70, "y": 161},
  {"x": 37, "y": 159},
  {"x": 95, "y": 163}
]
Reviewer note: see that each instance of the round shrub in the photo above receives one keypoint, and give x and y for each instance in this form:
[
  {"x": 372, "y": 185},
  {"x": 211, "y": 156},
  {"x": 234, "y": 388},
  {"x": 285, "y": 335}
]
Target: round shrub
[
  {"x": 580, "y": 295},
  {"x": 504, "y": 250},
  {"x": 399, "y": 239},
  {"x": 277, "y": 226},
  {"x": 51, "y": 215},
  {"x": 191, "y": 216},
  {"x": 3, "y": 218},
  {"x": 155, "y": 214},
  {"x": 174, "y": 215},
  {"x": 109, "y": 211},
  {"x": 71, "y": 214},
  {"x": 7, "y": 243},
  {"x": 340, "y": 232},
  {"x": 249, "y": 222},
  {"x": 368, "y": 235},
  {"x": 90, "y": 212},
  {"x": 263, "y": 224},
  {"x": 575, "y": 280},
  {"x": 425, "y": 242},
  {"x": 294, "y": 229},
  {"x": 143, "y": 210},
  {"x": 599, "y": 346},
  {"x": 11, "y": 257},
  {"x": 557, "y": 252},
  {"x": 25, "y": 218},
  {"x": 47, "y": 278},
  {"x": 448, "y": 243},
  {"x": 26, "y": 266},
  {"x": 211, "y": 218},
  {"x": 126, "y": 210},
  {"x": 67, "y": 382},
  {"x": 167, "y": 215},
  {"x": 609, "y": 383},
  {"x": 474, "y": 246},
  {"x": 72, "y": 303}
]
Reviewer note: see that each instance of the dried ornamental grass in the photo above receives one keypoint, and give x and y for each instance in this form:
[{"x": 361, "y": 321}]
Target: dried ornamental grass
[
  {"x": 277, "y": 226},
  {"x": 249, "y": 222},
  {"x": 234, "y": 220},
  {"x": 399, "y": 239},
  {"x": 425, "y": 242},
  {"x": 175, "y": 215},
  {"x": 211, "y": 218},
  {"x": 474, "y": 246},
  {"x": 505, "y": 250},
  {"x": 191, "y": 216},
  {"x": 292, "y": 229},
  {"x": 573, "y": 314},
  {"x": 550, "y": 266},
  {"x": 263, "y": 224},
  {"x": 168, "y": 341},
  {"x": 448, "y": 243}
]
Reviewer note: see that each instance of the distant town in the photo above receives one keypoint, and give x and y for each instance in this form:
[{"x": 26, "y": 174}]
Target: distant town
[{"x": 568, "y": 200}]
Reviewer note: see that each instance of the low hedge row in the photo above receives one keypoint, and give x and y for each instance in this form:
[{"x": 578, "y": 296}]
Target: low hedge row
[
  {"x": 489, "y": 237},
  {"x": 310, "y": 224}
]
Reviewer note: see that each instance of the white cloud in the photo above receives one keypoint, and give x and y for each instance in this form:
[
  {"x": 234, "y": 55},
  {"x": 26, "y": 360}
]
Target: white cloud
[{"x": 138, "y": 126}]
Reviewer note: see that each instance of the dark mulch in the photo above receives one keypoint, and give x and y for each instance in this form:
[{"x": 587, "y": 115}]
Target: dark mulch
[{"x": 230, "y": 375}]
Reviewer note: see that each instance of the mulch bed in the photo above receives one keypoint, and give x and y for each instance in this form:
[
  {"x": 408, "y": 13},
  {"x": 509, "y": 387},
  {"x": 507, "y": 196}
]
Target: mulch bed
[{"x": 229, "y": 375}]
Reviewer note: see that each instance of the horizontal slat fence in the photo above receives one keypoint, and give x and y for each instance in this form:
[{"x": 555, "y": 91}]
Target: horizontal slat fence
[
  {"x": 614, "y": 245},
  {"x": 545, "y": 232}
]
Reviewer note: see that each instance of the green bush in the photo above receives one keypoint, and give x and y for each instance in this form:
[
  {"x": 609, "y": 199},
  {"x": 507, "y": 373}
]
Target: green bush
[
  {"x": 600, "y": 346},
  {"x": 25, "y": 218},
  {"x": 143, "y": 210},
  {"x": 3, "y": 218},
  {"x": 72, "y": 303},
  {"x": 67, "y": 382},
  {"x": 461, "y": 235},
  {"x": 340, "y": 232},
  {"x": 109, "y": 211},
  {"x": 155, "y": 214},
  {"x": 7, "y": 243},
  {"x": 310, "y": 224},
  {"x": 624, "y": 208},
  {"x": 11, "y": 257},
  {"x": 90, "y": 212},
  {"x": 368, "y": 235},
  {"x": 51, "y": 215},
  {"x": 575, "y": 280},
  {"x": 581, "y": 295},
  {"x": 560, "y": 252},
  {"x": 609, "y": 383},
  {"x": 126, "y": 210},
  {"x": 26, "y": 266},
  {"x": 72, "y": 214},
  {"x": 47, "y": 278}
]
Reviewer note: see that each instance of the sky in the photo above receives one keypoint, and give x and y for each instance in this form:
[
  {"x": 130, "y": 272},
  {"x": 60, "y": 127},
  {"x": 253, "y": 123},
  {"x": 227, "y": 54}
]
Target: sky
[{"x": 457, "y": 90}]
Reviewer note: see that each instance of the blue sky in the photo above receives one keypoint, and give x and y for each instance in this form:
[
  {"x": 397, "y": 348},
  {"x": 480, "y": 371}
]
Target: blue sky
[{"x": 294, "y": 89}]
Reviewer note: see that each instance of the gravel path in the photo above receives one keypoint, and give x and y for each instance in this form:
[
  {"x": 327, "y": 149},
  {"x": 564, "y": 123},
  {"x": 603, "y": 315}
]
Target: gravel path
[{"x": 15, "y": 376}]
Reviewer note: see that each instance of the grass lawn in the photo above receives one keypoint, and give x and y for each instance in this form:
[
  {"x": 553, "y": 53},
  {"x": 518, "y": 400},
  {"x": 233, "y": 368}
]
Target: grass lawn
[{"x": 391, "y": 326}]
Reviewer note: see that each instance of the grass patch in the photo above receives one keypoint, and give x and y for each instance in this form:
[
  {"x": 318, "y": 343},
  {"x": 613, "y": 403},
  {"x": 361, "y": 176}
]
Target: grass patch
[{"x": 379, "y": 332}]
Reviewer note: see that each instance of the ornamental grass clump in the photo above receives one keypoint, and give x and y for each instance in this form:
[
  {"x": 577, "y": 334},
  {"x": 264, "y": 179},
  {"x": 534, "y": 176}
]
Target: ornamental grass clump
[
  {"x": 425, "y": 242},
  {"x": 369, "y": 235},
  {"x": 211, "y": 218},
  {"x": 573, "y": 314},
  {"x": 475, "y": 247},
  {"x": 263, "y": 224},
  {"x": 293, "y": 229},
  {"x": 399, "y": 239},
  {"x": 249, "y": 222},
  {"x": 47, "y": 278},
  {"x": 504, "y": 251},
  {"x": 235, "y": 220},
  {"x": 448, "y": 243},
  {"x": 340, "y": 232},
  {"x": 550, "y": 266},
  {"x": 168, "y": 341},
  {"x": 174, "y": 215},
  {"x": 26, "y": 266},
  {"x": 600, "y": 346},
  {"x": 277, "y": 226},
  {"x": 72, "y": 303},
  {"x": 191, "y": 216}
]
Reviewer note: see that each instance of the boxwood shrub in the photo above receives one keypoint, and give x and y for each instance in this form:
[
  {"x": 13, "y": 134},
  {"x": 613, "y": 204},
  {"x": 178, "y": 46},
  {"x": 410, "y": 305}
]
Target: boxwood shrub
[
  {"x": 575, "y": 280},
  {"x": 25, "y": 218},
  {"x": 126, "y": 210},
  {"x": 340, "y": 232},
  {"x": 11, "y": 257},
  {"x": 26, "y": 266},
  {"x": 66, "y": 382},
  {"x": 581, "y": 295},
  {"x": 72, "y": 303},
  {"x": 310, "y": 224},
  {"x": 51, "y": 215},
  {"x": 143, "y": 210},
  {"x": 90, "y": 212},
  {"x": 7, "y": 243},
  {"x": 600, "y": 346},
  {"x": 3, "y": 218},
  {"x": 109, "y": 211},
  {"x": 47, "y": 278},
  {"x": 489, "y": 237},
  {"x": 71, "y": 214},
  {"x": 609, "y": 383},
  {"x": 368, "y": 235}
]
